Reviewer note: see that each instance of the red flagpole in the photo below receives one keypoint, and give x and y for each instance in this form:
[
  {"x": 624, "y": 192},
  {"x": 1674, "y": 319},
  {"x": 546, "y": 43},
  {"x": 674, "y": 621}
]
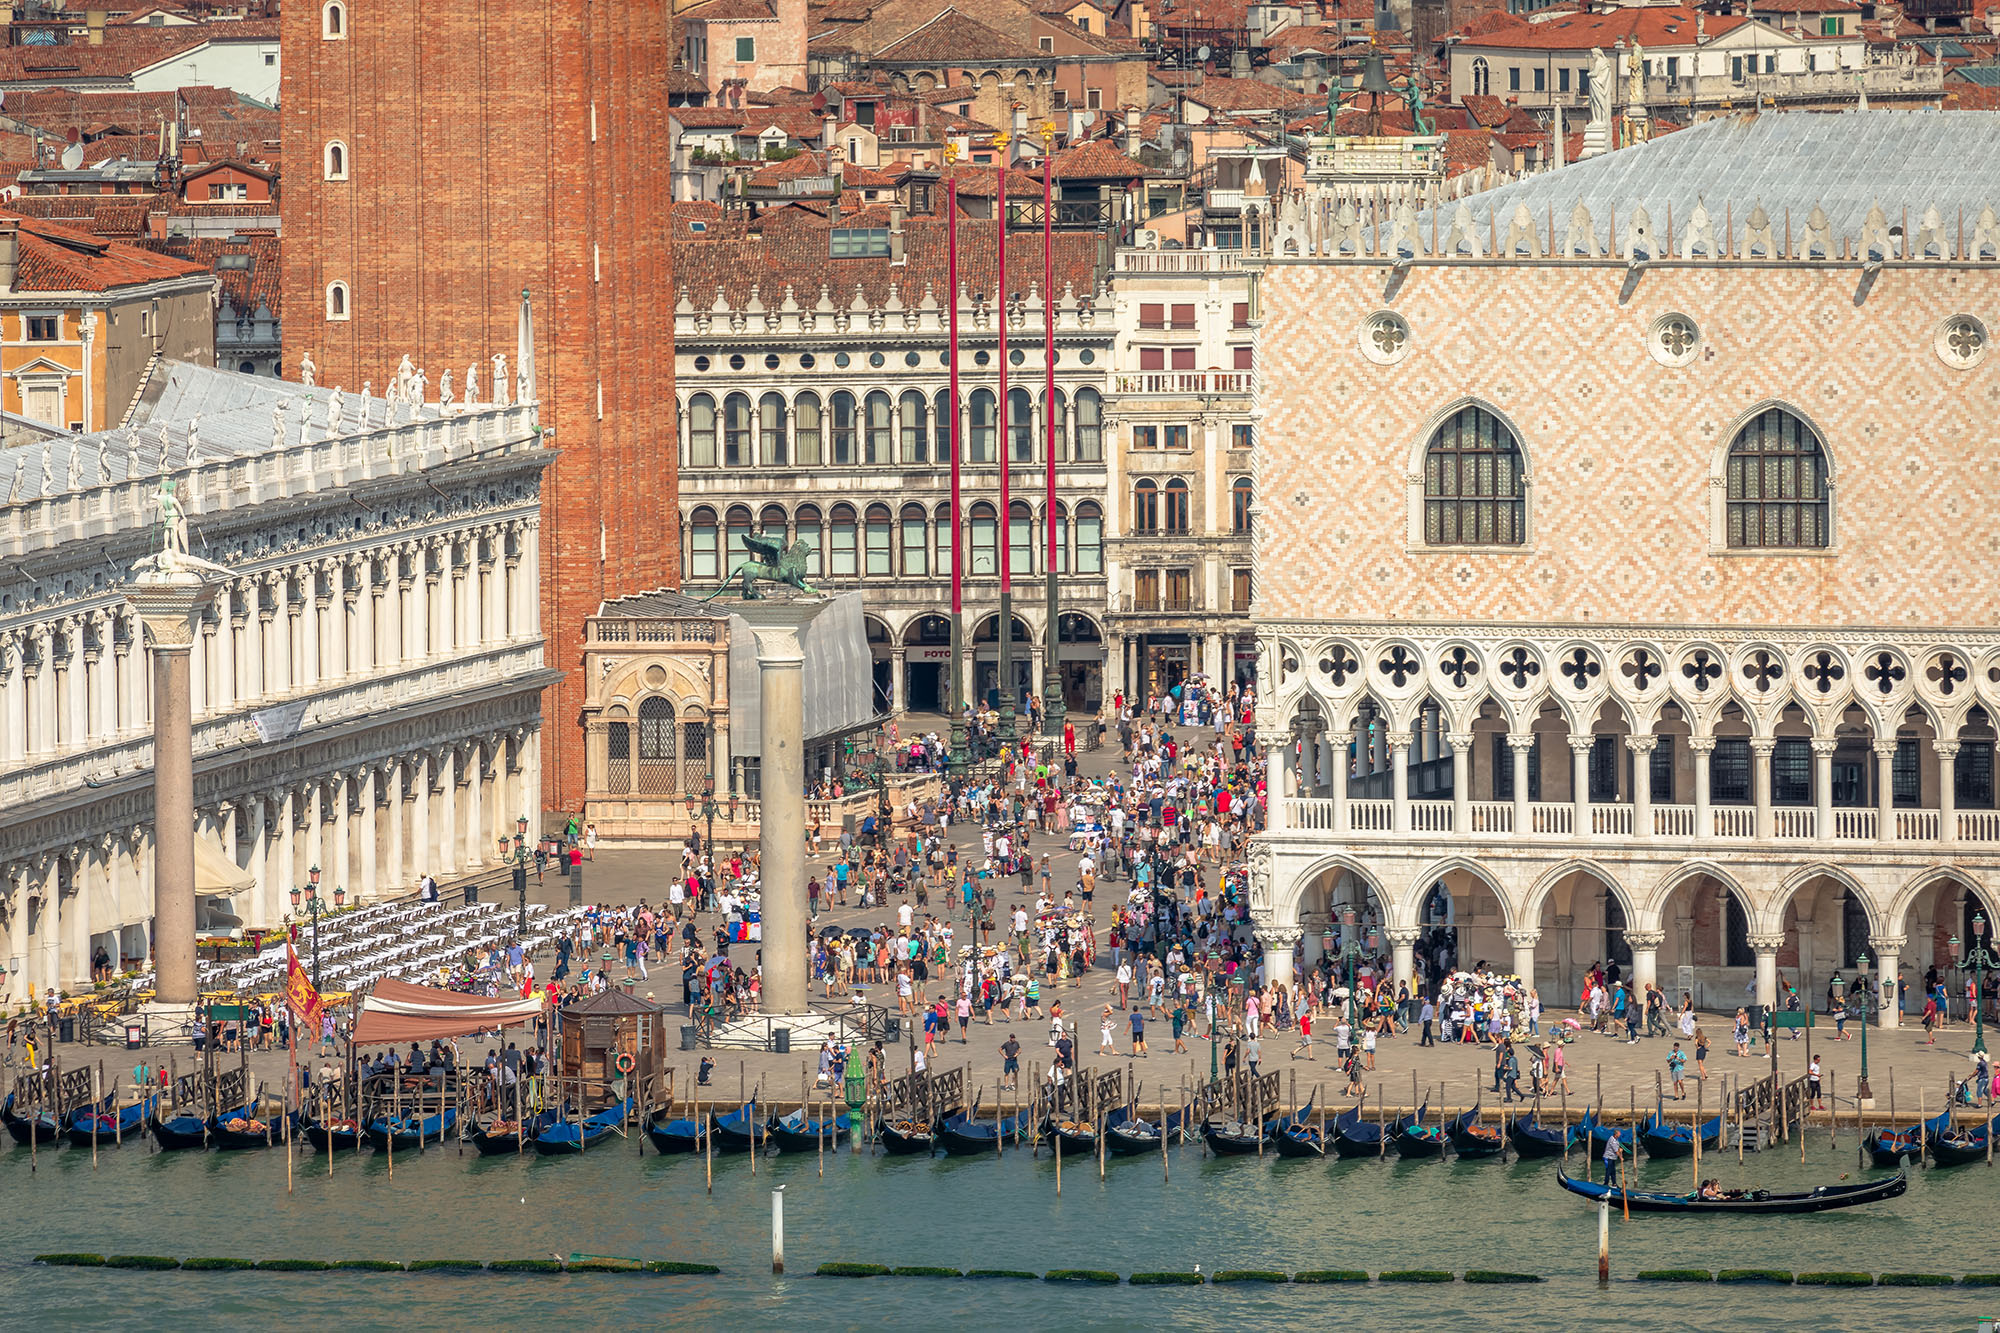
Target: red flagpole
[
  {"x": 957, "y": 667},
  {"x": 1052, "y": 705},
  {"x": 1006, "y": 480}
]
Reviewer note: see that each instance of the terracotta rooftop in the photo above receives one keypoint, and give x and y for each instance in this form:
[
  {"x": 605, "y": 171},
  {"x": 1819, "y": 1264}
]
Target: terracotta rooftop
[
  {"x": 1651, "y": 26},
  {"x": 1096, "y": 159},
  {"x": 118, "y": 216},
  {"x": 794, "y": 253},
  {"x": 243, "y": 287},
  {"x": 57, "y": 259},
  {"x": 125, "y": 51},
  {"x": 721, "y": 11},
  {"x": 952, "y": 36}
]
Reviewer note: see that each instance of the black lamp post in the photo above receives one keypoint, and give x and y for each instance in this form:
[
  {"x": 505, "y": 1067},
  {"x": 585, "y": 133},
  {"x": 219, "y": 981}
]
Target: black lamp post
[
  {"x": 1861, "y": 1089},
  {"x": 520, "y": 859},
  {"x": 315, "y": 908},
  {"x": 1350, "y": 957},
  {"x": 1979, "y": 960}
]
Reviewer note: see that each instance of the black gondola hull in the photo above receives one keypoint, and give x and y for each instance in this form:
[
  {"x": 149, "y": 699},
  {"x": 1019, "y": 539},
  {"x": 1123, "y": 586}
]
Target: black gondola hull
[
  {"x": 1535, "y": 1141},
  {"x": 1959, "y": 1152},
  {"x": 1824, "y": 1199},
  {"x": 908, "y": 1143},
  {"x": 675, "y": 1139},
  {"x": 1300, "y": 1141},
  {"x": 797, "y": 1140},
  {"x": 182, "y": 1133}
]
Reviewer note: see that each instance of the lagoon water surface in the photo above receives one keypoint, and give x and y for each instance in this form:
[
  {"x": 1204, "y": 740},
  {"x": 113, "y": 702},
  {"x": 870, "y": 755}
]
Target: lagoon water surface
[{"x": 1218, "y": 1213}]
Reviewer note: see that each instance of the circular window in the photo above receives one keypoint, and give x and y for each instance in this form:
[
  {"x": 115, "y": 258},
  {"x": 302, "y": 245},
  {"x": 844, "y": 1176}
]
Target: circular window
[
  {"x": 1674, "y": 340},
  {"x": 841, "y": 360},
  {"x": 701, "y": 363},
  {"x": 911, "y": 359},
  {"x": 1385, "y": 338},
  {"x": 1016, "y": 357},
  {"x": 944, "y": 358},
  {"x": 1961, "y": 342},
  {"x": 736, "y": 361},
  {"x": 771, "y": 361},
  {"x": 1087, "y": 356},
  {"x": 807, "y": 361},
  {"x": 982, "y": 358},
  {"x": 875, "y": 360}
]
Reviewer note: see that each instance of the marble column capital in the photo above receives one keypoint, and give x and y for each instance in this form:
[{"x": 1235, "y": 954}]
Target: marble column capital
[
  {"x": 1645, "y": 939},
  {"x": 1768, "y": 943}
]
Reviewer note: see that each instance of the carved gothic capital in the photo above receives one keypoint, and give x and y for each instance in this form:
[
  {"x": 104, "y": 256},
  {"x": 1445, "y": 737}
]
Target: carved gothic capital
[
  {"x": 1400, "y": 739},
  {"x": 1762, "y": 746},
  {"x": 1642, "y": 744},
  {"x": 1645, "y": 939},
  {"x": 1768, "y": 943},
  {"x": 1884, "y": 749},
  {"x": 1460, "y": 741},
  {"x": 1279, "y": 937},
  {"x": 1945, "y": 749},
  {"x": 1520, "y": 742},
  {"x": 1581, "y": 744},
  {"x": 1825, "y": 747},
  {"x": 1403, "y": 937},
  {"x": 1701, "y": 744},
  {"x": 1882, "y": 944},
  {"x": 1523, "y": 939}
]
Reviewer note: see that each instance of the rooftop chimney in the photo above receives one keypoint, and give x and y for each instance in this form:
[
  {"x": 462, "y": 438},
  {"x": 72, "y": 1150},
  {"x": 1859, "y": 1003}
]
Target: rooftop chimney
[
  {"x": 93, "y": 22},
  {"x": 1130, "y": 146},
  {"x": 895, "y": 233},
  {"x": 10, "y": 252}
]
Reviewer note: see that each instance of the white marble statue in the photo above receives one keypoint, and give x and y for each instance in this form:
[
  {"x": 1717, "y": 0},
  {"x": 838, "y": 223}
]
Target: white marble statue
[
  {"x": 278, "y": 424},
  {"x": 444, "y": 393},
  {"x": 500, "y": 380},
  {"x": 1601, "y": 77},
  {"x": 336, "y": 412},
  {"x": 419, "y": 392},
  {"x": 405, "y": 372},
  {"x": 1635, "y": 76},
  {"x": 472, "y": 384},
  {"x": 308, "y": 372},
  {"x": 173, "y": 526}
]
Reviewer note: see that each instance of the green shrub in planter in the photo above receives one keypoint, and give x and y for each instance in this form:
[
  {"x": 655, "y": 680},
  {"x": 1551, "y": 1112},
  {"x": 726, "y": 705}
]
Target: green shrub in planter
[
  {"x": 853, "y": 1270},
  {"x": 925, "y": 1270},
  {"x": 71, "y": 1260},
  {"x": 1331, "y": 1275},
  {"x": 1079, "y": 1275},
  {"x": 445, "y": 1265},
  {"x": 1416, "y": 1275},
  {"x": 1835, "y": 1280},
  {"x": 147, "y": 1261},
  {"x": 1492, "y": 1275},
  {"x": 1914, "y": 1280},
  {"x": 677, "y": 1266},
  {"x": 369, "y": 1265},
  {"x": 1778, "y": 1275},
  {"x": 525, "y": 1266},
  {"x": 1166, "y": 1279},
  {"x": 209, "y": 1265},
  {"x": 1003, "y": 1272},
  {"x": 1249, "y": 1275},
  {"x": 292, "y": 1265},
  {"x": 1675, "y": 1275}
]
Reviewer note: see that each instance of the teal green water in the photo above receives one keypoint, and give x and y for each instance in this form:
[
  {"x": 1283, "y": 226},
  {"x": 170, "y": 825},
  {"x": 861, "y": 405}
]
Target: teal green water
[{"x": 1220, "y": 1213}]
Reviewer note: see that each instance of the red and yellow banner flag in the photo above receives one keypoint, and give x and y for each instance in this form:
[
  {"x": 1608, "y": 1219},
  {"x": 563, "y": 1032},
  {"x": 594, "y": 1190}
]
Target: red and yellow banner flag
[{"x": 299, "y": 993}]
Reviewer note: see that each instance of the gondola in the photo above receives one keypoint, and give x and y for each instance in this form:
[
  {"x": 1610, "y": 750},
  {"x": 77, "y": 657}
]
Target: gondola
[
  {"x": 1234, "y": 1138},
  {"x": 179, "y": 1133},
  {"x": 1078, "y": 1138},
  {"x": 1470, "y": 1139},
  {"x": 565, "y": 1138},
  {"x": 1533, "y": 1140},
  {"x": 961, "y": 1137},
  {"x": 341, "y": 1135},
  {"x": 1888, "y": 1148},
  {"x": 108, "y": 1126},
  {"x": 500, "y": 1137},
  {"x": 1958, "y": 1149},
  {"x": 1412, "y": 1138},
  {"x": 40, "y": 1128},
  {"x": 1661, "y": 1139},
  {"x": 1822, "y": 1199},
  {"x": 741, "y": 1130},
  {"x": 1355, "y": 1137},
  {"x": 909, "y": 1138},
  {"x": 240, "y": 1129},
  {"x": 1301, "y": 1141},
  {"x": 1137, "y": 1136},
  {"x": 799, "y": 1133},
  {"x": 410, "y": 1133},
  {"x": 671, "y": 1137},
  {"x": 1600, "y": 1134}
]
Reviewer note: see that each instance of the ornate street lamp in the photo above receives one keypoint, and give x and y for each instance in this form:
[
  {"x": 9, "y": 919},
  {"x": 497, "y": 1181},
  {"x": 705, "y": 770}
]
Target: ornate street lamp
[
  {"x": 1861, "y": 1091},
  {"x": 314, "y": 909},
  {"x": 1979, "y": 960}
]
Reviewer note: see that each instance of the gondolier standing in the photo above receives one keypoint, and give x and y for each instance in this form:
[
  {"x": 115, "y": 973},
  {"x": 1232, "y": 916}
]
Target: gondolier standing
[{"x": 1614, "y": 1153}]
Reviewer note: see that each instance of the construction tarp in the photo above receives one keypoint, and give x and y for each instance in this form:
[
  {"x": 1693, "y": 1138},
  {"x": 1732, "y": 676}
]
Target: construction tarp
[{"x": 396, "y": 1011}]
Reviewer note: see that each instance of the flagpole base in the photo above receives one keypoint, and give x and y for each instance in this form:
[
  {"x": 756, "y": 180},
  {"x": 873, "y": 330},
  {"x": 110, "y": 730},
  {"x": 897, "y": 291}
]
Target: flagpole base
[{"x": 168, "y": 1024}]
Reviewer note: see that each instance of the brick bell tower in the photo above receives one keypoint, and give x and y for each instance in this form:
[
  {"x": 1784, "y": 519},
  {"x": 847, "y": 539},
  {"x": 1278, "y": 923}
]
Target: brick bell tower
[{"x": 446, "y": 155}]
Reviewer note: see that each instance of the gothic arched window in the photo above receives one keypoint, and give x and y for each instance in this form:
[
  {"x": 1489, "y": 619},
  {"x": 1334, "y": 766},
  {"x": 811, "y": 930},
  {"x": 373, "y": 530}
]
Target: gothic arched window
[
  {"x": 1473, "y": 489},
  {"x": 1777, "y": 484}
]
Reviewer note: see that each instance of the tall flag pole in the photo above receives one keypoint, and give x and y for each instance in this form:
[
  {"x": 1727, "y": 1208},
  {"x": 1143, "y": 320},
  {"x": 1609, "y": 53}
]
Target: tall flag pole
[
  {"x": 1000, "y": 142},
  {"x": 1052, "y": 695},
  {"x": 957, "y": 666}
]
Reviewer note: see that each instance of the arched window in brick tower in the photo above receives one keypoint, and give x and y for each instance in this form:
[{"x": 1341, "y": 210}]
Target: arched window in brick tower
[
  {"x": 336, "y": 161},
  {"x": 1473, "y": 490},
  {"x": 333, "y": 21},
  {"x": 336, "y": 300},
  {"x": 1777, "y": 484}
]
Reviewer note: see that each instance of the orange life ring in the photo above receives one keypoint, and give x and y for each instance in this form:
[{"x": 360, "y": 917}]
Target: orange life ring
[{"x": 625, "y": 1064}]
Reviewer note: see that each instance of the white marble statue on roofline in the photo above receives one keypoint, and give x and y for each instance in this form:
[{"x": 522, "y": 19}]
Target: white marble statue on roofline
[
  {"x": 173, "y": 562},
  {"x": 308, "y": 372},
  {"x": 1601, "y": 77}
]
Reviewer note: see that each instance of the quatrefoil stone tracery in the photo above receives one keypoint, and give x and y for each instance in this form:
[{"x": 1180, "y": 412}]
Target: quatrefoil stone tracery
[
  {"x": 1339, "y": 664},
  {"x": 1823, "y": 670},
  {"x": 1641, "y": 668},
  {"x": 1460, "y": 665},
  {"x": 1580, "y": 667},
  {"x": 1945, "y": 672},
  {"x": 1519, "y": 667},
  {"x": 1761, "y": 670},
  {"x": 1399, "y": 666},
  {"x": 1701, "y": 670},
  {"x": 1885, "y": 672}
]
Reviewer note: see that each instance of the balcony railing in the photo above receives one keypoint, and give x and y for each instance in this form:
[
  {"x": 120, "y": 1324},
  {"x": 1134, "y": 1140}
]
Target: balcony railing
[
  {"x": 1202, "y": 382},
  {"x": 1180, "y": 261},
  {"x": 1369, "y": 817}
]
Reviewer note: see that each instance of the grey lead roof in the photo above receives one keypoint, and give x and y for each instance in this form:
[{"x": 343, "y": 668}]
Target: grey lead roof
[{"x": 1843, "y": 162}]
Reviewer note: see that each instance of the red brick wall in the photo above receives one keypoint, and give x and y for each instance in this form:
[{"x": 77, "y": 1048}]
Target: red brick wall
[{"x": 473, "y": 173}]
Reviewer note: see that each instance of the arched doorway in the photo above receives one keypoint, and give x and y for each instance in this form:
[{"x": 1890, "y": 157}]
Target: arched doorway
[
  {"x": 1583, "y": 922},
  {"x": 1338, "y": 905},
  {"x": 881, "y": 662},
  {"x": 1707, "y": 947},
  {"x": 986, "y": 660},
  {"x": 1081, "y": 648},
  {"x": 926, "y": 662}
]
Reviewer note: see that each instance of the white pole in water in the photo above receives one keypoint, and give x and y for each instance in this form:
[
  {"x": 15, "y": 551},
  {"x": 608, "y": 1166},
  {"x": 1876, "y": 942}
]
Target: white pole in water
[
  {"x": 1604, "y": 1239},
  {"x": 778, "y": 1229}
]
